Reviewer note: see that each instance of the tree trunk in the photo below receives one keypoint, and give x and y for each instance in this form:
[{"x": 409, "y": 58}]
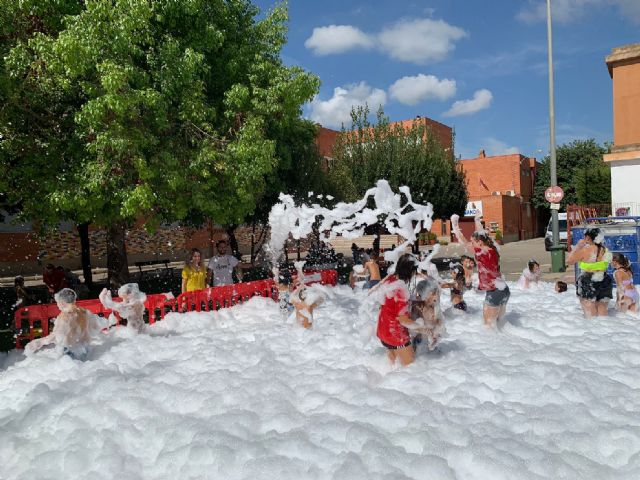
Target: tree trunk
[
  {"x": 376, "y": 239},
  {"x": 233, "y": 241},
  {"x": 85, "y": 253},
  {"x": 117, "y": 264},
  {"x": 253, "y": 241}
]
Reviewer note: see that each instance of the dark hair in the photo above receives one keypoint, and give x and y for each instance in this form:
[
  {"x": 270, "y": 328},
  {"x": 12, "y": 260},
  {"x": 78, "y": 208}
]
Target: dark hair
[
  {"x": 623, "y": 261},
  {"x": 220, "y": 241},
  {"x": 406, "y": 266},
  {"x": 562, "y": 286},
  {"x": 592, "y": 233},
  {"x": 532, "y": 263},
  {"x": 49, "y": 266},
  {"x": 18, "y": 281},
  {"x": 467, "y": 257},
  {"x": 458, "y": 269},
  {"x": 194, "y": 251},
  {"x": 485, "y": 239}
]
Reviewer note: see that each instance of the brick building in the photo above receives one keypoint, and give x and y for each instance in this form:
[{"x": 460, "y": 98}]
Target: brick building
[
  {"x": 501, "y": 187},
  {"x": 624, "y": 159}
]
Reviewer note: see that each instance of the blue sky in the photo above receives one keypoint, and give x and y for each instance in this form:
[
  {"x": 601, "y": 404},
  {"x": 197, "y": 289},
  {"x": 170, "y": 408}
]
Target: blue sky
[{"x": 478, "y": 66}]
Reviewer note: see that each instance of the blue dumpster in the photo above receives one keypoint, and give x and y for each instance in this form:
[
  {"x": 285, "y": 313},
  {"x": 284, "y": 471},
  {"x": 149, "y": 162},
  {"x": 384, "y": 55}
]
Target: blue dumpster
[{"x": 621, "y": 235}]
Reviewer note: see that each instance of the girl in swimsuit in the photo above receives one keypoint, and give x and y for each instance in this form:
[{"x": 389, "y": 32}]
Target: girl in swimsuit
[
  {"x": 457, "y": 287},
  {"x": 627, "y": 293},
  {"x": 594, "y": 285}
]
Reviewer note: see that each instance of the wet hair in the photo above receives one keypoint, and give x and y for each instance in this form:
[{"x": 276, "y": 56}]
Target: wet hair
[
  {"x": 562, "y": 286},
  {"x": 467, "y": 257},
  {"x": 531, "y": 264},
  {"x": 623, "y": 261},
  {"x": 593, "y": 233},
  {"x": 18, "y": 281},
  {"x": 66, "y": 295},
  {"x": 484, "y": 237},
  {"x": 458, "y": 270},
  {"x": 424, "y": 289},
  {"x": 406, "y": 266}
]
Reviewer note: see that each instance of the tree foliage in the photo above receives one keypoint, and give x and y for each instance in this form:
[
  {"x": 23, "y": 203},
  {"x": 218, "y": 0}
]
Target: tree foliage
[
  {"x": 117, "y": 110},
  {"x": 403, "y": 156},
  {"x": 581, "y": 173}
]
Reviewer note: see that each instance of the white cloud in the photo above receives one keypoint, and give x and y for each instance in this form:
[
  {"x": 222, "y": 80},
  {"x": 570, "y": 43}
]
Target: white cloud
[
  {"x": 420, "y": 40},
  {"x": 416, "y": 40},
  {"x": 481, "y": 100},
  {"x": 337, "y": 110},
  {"x": 493, "y": 146},
  {"x": 565, "y": 11},
  {"x": 413, "y": 90},
  {"x": 337, "y": 39}
]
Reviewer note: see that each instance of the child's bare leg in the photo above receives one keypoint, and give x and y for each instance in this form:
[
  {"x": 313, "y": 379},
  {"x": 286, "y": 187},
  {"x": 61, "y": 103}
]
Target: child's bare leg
[
  {"x": 391, "y": 354},
  {"x": 406, "y": 355},
  {"x": 589, "y": 308},
  {"x": 602, "y": 309},
  {"x": 304, "y": 318},
  {"x": 490, "y": 315}
]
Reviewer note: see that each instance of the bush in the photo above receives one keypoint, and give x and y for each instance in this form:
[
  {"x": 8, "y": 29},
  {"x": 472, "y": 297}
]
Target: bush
[{"x": 498, "y": 235}]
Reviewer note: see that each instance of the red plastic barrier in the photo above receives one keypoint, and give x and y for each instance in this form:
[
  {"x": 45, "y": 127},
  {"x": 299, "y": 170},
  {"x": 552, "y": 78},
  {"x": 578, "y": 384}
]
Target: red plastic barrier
[
  {"x": 324, "y": 277},
  {"x": 227, "y": 296},
  {"x": 35, "y": 321}
]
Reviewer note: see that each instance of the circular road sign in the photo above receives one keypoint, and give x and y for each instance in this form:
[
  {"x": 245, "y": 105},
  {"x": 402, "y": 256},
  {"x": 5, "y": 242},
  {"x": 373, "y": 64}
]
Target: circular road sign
[{"x": 554, "y": 194}]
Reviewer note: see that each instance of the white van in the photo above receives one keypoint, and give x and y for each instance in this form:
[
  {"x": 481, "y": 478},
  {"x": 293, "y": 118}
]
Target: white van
[{"x": 562, "y": 227}]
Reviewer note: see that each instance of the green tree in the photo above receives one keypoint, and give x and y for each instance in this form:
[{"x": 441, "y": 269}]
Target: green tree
[
  {"x": 403, "y": 156},
  {"x": 582, "y": 174},
  {"x": 124, "y": 109}
]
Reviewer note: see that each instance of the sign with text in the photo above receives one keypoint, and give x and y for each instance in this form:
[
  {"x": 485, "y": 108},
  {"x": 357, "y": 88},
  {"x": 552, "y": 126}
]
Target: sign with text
[
  {"x": 473, "y": 209},
  {"x": 554, "y": 194}
]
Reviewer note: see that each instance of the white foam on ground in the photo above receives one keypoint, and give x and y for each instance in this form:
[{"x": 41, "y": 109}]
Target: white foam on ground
[{"x": 242, "y": 393}]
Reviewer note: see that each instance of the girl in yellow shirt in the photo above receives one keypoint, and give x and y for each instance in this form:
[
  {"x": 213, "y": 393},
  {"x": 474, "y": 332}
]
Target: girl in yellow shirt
[{"x": 194, "y": 274}]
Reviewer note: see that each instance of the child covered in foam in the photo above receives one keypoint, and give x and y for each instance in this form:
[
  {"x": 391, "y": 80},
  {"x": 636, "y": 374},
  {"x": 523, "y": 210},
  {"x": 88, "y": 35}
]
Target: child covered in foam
[
  {"x": 294, "y": 295},
  {"x": 426, "y": 313},
  {"x": 131, "y": 307},
  {"x": 73, "y": 328},
  {"x": 530, "y": 277}
]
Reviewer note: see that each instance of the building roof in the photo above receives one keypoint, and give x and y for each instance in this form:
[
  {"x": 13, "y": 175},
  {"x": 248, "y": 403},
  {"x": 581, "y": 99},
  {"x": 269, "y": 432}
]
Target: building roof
[{"x": 624, "y": 55}]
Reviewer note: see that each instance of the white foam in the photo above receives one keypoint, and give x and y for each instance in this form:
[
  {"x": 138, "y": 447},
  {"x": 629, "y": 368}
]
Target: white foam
[{"x": 242, "y": 393}]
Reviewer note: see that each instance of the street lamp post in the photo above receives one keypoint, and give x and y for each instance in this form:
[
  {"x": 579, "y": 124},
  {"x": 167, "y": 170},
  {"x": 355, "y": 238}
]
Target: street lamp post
[{"x": 557, "y": 256}]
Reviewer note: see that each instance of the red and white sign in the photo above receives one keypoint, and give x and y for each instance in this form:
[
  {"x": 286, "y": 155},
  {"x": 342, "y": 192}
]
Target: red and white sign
[{"x": 554, "y": 194}]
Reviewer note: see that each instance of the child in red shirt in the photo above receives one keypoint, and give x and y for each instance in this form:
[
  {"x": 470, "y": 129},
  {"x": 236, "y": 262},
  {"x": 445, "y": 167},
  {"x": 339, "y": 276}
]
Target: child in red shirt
[{"x": 394, "y": 314}]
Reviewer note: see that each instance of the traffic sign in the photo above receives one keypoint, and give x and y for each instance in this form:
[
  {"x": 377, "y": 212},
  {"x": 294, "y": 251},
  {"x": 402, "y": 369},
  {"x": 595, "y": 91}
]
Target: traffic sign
[{"x": 554, "y": 194}]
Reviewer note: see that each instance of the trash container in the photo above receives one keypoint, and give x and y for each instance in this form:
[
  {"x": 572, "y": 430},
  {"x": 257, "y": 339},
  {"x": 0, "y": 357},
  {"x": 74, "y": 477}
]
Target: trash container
[
  {"x": 557, "y": 258},
  {"x": 621, "y": 235}
]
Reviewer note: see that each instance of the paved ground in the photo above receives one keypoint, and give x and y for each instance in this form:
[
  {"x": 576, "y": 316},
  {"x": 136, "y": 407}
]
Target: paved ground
[{"x": 514, "y": 257}]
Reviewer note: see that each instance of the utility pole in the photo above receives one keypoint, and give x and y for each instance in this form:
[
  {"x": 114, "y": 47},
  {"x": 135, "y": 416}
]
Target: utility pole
[{"x": 557, "y": 252}]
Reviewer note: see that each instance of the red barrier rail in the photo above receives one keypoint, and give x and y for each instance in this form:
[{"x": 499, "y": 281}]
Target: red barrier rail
[{"x": 36, "y": 320}]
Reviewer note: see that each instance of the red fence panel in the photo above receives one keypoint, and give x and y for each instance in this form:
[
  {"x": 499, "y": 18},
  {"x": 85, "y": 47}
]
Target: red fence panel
[{"x": 36, "y": 320}]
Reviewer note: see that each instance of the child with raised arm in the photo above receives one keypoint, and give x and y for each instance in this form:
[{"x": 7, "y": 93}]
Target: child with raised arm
[
  {"x": 530, "y": 275},
  {"x": 73, "y": 328},
  {"x": 627, "y": 295},
  {"x": 489, "y": 277},
  {"x": 131, "y": 307},
  {"x": 457, "y": 286}
]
